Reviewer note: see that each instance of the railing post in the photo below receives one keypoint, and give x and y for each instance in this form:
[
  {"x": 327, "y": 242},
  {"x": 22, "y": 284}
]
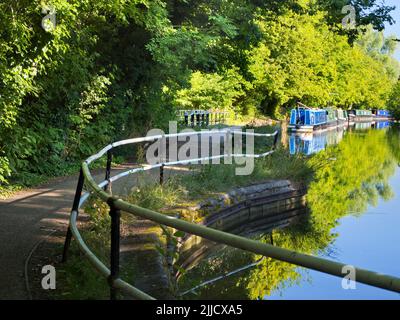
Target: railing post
[
  {"x": 162, "y": 174},
  {"x": 75, "y": 207},
  {"x": 228, "y": 147},
  {"x": 163, "y": 157},
  {"x": 115, "y": 214},
  {"x": 108, "y": 170},
  {"x": 186, "y": 115},
  {"x": 275, "y": 140},
  {"x": 192, "y": 119}
]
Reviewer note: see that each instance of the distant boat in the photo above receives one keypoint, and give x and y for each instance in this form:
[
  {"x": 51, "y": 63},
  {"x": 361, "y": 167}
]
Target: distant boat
[
  {"x": 305, "y": 119},
  {"x": 361, "y": 116},
  {"x": 342, "y": 116},
  {"x": 382, "y": 115}
]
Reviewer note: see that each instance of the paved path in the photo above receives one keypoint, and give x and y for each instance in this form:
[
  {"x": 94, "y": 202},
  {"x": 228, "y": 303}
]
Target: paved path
[
  {"x": 28, "y": 217},
  {"x": 25, "y": 219}
]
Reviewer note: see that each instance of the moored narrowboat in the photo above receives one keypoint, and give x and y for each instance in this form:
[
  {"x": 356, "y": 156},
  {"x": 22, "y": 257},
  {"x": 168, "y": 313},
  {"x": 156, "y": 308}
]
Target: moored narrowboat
[
  {"x": 361, "y": 115},
  {"x": 332, "y": 120},
  {"x": 304, "y": 119},
  {"x": 382, "y": 115},
  {"x": 342, "y": 116}
]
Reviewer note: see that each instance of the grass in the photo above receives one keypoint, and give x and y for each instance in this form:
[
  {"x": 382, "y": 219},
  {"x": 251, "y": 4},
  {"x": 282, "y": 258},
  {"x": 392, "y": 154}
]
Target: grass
[
  {"x": 208, "y": 181},
  {"x": 78, "y": 278}
]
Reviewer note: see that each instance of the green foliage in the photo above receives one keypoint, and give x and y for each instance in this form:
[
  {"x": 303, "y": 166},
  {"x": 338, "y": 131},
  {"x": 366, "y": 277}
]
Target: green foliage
[
  {"x": 4, "y": 169},
  {"x": 213, "y": 91},
  {"x": 394, "y": 101},
  {"x": 113, "y": 69},
  {"x": 301, "y": 58},
  {"x": 77, "y": 280},
  {"x": 156, "y": 197}
]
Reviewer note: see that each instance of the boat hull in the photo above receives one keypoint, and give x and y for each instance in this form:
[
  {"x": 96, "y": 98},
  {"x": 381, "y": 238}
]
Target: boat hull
[
  {"x": 382, "y": 118},
  {"x": 319, "y": 127}
]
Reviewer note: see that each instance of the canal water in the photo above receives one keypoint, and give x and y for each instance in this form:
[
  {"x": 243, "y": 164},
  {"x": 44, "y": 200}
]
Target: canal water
[{"x": 354, "y": 218}]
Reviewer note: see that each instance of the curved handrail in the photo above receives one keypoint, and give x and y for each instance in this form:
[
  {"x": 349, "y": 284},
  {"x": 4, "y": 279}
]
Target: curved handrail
[
  {"x": 116, "y": 205},
  {"x": 99, "y": 189}
]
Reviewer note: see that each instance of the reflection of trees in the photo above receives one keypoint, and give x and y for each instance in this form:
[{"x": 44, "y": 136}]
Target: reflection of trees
[
  {"x": 393, "y": 137},
  {"x": 274, "y": 275},
  {"x": 355, "y": 173},
  {"x": 347, "y": 178}
]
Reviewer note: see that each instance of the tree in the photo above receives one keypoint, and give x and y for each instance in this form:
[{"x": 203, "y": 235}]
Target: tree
[
  {"x": 368, "y": 12},
  {"x": 394, "y": 101}
]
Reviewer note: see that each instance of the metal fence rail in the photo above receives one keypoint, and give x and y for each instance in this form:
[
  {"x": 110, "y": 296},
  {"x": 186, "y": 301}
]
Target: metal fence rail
[
  {"x": 196, "y": 118},
  {"x": 117, "y": 205}
]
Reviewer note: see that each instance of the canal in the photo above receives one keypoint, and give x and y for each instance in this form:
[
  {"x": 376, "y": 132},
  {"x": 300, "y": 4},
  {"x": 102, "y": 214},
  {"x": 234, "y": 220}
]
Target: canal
[{"x": 353, "y": 217}]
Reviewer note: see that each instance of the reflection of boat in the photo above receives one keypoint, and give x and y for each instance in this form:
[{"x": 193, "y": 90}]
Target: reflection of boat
[
  {"x": 363, "y": 125},
  {"x": 371, "y": 125},
  {"x": 314, "y": 142},
  {"x": 382, "y": 124}
]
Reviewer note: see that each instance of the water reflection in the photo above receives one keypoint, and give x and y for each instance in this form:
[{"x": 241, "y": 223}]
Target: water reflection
[
  {"x": 310, "y": 143},
  {"x": 382, "y": 125},
  {"x": 314, "y": 142},
  {"x": 351, "y": 176}
]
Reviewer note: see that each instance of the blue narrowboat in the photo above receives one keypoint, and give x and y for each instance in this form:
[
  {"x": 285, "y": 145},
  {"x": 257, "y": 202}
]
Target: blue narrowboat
[
  {"x": 382, "y": 115},
  {"x": 304, "y": 119}
]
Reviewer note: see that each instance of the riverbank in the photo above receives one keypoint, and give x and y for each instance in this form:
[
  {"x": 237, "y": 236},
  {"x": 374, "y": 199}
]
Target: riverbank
[
  {"x": 186, "y": 194},
  {"x": 178, "y": 195}
]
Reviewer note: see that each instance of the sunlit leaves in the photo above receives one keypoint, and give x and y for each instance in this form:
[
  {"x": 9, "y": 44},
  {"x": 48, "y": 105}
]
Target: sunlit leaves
[{"x": 212, "y": 91}]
